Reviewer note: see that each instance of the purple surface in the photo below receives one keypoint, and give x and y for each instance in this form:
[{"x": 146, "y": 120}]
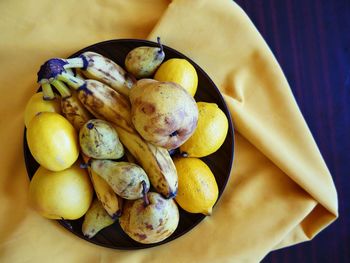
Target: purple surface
[{"x": 311, "y": 41}]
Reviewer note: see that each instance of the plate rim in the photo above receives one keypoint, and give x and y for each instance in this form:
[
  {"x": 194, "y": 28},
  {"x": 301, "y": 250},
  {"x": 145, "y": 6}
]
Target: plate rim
[{"x": 231, "y": 132}]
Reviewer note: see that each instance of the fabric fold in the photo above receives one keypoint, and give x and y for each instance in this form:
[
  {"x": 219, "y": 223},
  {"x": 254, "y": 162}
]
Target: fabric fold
[{"x": 262, "y": 105}]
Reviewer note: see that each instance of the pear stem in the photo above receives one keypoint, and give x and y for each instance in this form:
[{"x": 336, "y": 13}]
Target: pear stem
[
  {"x": 144, "y": 193},
  {"x": 77, "y": 62},
  {"x": 160, "y": 45}
]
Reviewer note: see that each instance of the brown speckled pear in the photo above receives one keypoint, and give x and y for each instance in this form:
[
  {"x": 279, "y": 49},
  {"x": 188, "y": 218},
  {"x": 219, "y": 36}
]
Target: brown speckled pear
[
  {"x": 123, "y": 177},
  {"x": 164, "y": 113},
  {"x": 99, "y": 140},
  {"x": 150, "y": 220}
]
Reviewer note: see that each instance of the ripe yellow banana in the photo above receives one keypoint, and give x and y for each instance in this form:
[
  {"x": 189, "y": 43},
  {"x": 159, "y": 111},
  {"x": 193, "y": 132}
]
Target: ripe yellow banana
[
  {"x": 105, "y": 103},
  {"x": 74, "y": 111},
  {"x": 71, "y": 107},
  {"x": 95, "y": 219},
  {"x": 155, "y": 160},
  {"x": 110, "y": 201}
]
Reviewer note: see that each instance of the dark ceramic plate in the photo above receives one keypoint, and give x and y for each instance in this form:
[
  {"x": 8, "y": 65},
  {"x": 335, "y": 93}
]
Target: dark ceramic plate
[{"x": 219, "y": 162}]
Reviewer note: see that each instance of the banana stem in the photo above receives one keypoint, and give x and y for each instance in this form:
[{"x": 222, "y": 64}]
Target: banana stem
[
  {"x": 78, "y": 62},
  {"x": 62, "y": 88},
  {"x": 72, "y": 81},
  {"x": 70, "y": 71},
  {"x": 47, "y": 91}
]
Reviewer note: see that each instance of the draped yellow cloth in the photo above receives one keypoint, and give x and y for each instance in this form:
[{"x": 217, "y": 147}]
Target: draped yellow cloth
[{"x": 280, "y": 191}]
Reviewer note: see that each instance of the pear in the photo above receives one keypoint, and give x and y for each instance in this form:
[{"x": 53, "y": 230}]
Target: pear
[
  {"x": 123, "y": 177},
  {"x": 96, "y": 219},
  {"x": 99, "y": 140},
  {"x": 142, "y": 62},
  {"x": 151, "y": 219},
  {"x": 163, "y": 113}
]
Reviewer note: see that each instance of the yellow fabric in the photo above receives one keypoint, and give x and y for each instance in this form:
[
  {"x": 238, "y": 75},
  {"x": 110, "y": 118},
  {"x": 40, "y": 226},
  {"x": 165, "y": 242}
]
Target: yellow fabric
[{"x": 280, "y": 192}]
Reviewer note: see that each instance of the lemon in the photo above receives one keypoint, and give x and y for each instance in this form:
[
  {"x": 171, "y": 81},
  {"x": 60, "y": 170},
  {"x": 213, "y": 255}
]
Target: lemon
[
  {"x": 36, "y": 104},
  {"x": 197, "y": 187},
  {"x": 52, "y": 141},
  {"x": 65, "y": 194},
  {"x": 210, "y": 133},
  {"x": 179, "y": 71}
]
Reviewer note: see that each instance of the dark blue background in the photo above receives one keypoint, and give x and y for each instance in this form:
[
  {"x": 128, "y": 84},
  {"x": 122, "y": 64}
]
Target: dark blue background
[{"x": 311, "y": 41}]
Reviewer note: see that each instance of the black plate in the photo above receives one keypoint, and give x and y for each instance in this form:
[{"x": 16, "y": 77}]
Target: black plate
[{"x": 219, "y": 162}]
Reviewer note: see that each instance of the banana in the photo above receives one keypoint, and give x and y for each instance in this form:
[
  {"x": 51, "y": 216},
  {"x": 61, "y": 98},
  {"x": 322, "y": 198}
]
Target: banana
[
  {"x": 71, "y": 107},
  {"x": 74, "y": 111},
  {"x": 107, "y": 71},
  {"x": 95, "y": 219},
  {"x": 155, "y": 160},
  {"x": 105, "y": 103},
  {"x": 110, "y": 201}
]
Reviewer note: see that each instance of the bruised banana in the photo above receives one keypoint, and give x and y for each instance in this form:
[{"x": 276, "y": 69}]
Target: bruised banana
[
  {"x": 74, "y": 111},
  {"x": 107, "y": 71},
  {"x": 105, "y": 103},
  {"x": 95, "y": 219},
  {"x": 71, "y": 106},
  {"x": 112, "y": 203},
  {"x": 155, "y": 160},
  {"x": 92, "y": 65}
]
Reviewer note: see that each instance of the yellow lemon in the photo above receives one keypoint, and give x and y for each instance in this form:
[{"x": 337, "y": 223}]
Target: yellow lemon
[
  {"x": 53, "y": 141},
  {"x": 210, "y": 133},
  {"x": 65, "y": 194},
  {"x": 36, "y": 104},
  {"x": 179, "y": 71},
  {"x": 197, "y": 187}
]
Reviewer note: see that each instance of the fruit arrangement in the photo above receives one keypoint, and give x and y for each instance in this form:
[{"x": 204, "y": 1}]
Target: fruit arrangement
[{"x": 122, "y": 143}]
